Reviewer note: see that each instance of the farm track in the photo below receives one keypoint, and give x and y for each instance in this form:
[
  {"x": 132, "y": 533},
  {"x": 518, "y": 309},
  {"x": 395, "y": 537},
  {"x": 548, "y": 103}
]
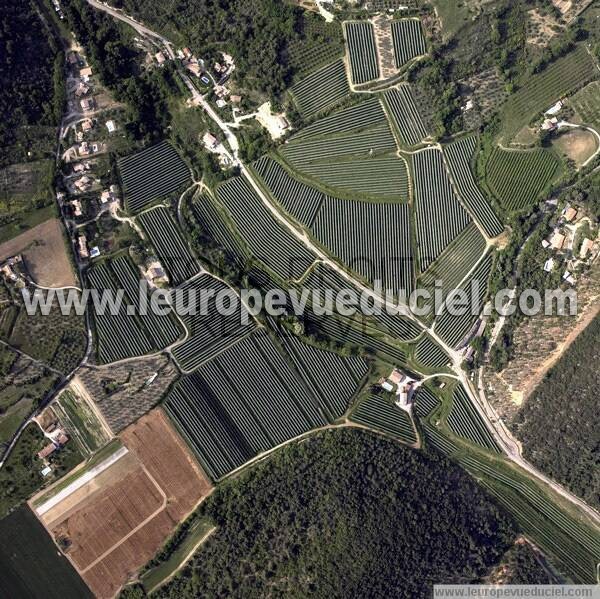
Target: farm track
[{"x": 505, "y": 441}]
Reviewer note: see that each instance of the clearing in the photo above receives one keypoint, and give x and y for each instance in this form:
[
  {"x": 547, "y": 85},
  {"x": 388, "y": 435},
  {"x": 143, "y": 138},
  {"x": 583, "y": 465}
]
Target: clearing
[
  {"x": 45, "y": 254},
  {"x": 578, "y": 145},
  {"x": 114, "y": 517}
]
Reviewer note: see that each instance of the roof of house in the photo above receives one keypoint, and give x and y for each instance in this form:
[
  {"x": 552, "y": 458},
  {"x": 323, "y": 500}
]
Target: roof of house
[
  {"x": 85, "y": 72},
  {"x": 570, "y": 214},
  {"x": 46, "y": 451},
  {"x": 557, "y": 241}
]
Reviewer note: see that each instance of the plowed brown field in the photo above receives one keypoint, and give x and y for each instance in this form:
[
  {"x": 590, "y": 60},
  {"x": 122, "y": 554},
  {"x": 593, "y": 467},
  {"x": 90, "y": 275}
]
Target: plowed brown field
[{"x": 116, "y": 522}]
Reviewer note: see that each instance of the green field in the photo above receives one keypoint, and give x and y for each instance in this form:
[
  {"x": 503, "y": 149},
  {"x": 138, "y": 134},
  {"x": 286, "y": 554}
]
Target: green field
[
  {"x": 542, "y": 90},
  {"x": 81, "y": 422},
  {"x": 586, "y": 102},
  {"x": 30, "y": 564},
  {"x": 519, "y": 178},
  {"x": 158, "y": 575}
]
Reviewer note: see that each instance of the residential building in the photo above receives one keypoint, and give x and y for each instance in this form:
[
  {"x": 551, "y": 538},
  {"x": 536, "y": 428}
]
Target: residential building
[
  {"x": 160, "y": 58},
  {"x": 110, "y": 125}
]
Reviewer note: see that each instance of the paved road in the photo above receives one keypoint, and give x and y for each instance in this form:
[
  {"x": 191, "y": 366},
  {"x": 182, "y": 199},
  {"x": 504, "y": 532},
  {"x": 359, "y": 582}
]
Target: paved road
[{"x": 500, "y": 433}]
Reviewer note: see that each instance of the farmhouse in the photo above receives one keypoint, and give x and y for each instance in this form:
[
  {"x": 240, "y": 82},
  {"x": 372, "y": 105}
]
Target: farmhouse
[
  {"x": 46, "y": 451},
  {"x": 210, "y": 141},
  {"x": 586, "y": 248},
  {"x": 85, "y": 73},
  {"x": 557, "y": 240},
  {"x": 76, "y": 208},
  {"x": 87, "y": 104}
]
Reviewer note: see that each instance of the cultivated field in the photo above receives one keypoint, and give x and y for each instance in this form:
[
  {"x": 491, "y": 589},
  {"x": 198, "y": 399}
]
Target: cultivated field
[
  {"x": 455, "y": 262},
  {"x": 112, "y": 518},
  {"x": 45, "y": 254},
  {"x": 170, "y": 245},
  {"x": 464, "y": 421},
  {"x": 425, "y": 402},
  {"x": 561, "y": 78},
  {"x": 409, "y": 41},
  {"x": 440, "y": 216},
  {"x": 405, "y": 115},
  {"x": 123, "y": 335},
  {"x": 373, "y": 239},
  {"x": 362, "y": 51},
  {"x": 455, "y": 329},
  {"x": 458, "y": 156},
  {"x": 209, "y": 333},
  {"x": 586, "y": 103},
  {"x": 229, "y": 415},
  {"x": 30, "y": 564},
  {"x": 429, "y": 354},
  {"x": 152, "y": 174},
  {"x": 379, "y": 413},
  {"x": 266, "y": 238},
  {"x": 518, "y": 178},
  {"x": 322, "y": 89}
]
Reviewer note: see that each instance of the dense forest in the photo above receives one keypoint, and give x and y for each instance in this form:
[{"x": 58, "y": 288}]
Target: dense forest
[
  {"x": 29, "y": 58},
  {"x": 558, "y": 425},
  {"x": 110, "y": 50},
  {"x": 346, "y": 514},
  {"x": 258, "y": 34}
]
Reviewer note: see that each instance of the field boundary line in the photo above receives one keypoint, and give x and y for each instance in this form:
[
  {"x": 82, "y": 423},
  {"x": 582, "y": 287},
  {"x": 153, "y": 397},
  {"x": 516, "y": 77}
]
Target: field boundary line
[{"x": 137, "y": 528}]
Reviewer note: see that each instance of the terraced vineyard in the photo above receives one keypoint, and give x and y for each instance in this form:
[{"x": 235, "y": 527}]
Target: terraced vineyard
[
  {"x": 350, "y": 152},
  {"x": 298, "y": 199},
  {"x": 426, "y": 402},
  {"x": 405, "y": 115},
  {"x": 118, "y": 335},
  {"x": 379, "y": 413},
  {"x": 322, "y": 42},
  {"x": 430, "y": 354},
  {"x": 322, "y": 89},
  {"x": 567, "y": 540},
  {"x": 455, "y": 262},
  {"x": 394, "y": 325},
  {"x": 210, "y": 331},
  {"x": 587, "y": 104},
  {"x": 362, "y": 51},
  {"x": 358, "y": 117},
  {"x": 170, "y": 245},
  {"x": 465, "y": 421},
  {"x": 372, "y": 239},
  {"x": 267, "y": 239},
  {"x": 458, "y": 156},
  {"x": 453, "y": 329},
  {"x": 229, "y": 415},
  {"x": 409, "y": 41},
  {"x": 561, "y": 78},
  {"x": 332, "y": 378},
  {"x": 304, "y": 152},
  {"x": 151, "y": 174},
  {"x": 518, "y": 179},
  {"x": 440, "y": 216},
  {"x": 209, "y": 217}
]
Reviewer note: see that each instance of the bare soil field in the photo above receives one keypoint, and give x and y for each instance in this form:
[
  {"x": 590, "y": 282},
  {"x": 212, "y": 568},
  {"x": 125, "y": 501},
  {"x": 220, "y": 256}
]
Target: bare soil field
[
  {"x": 44, "y": 252},
  {"x": 577, "y": 144},
  {"x": 114, "y": 524}
]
